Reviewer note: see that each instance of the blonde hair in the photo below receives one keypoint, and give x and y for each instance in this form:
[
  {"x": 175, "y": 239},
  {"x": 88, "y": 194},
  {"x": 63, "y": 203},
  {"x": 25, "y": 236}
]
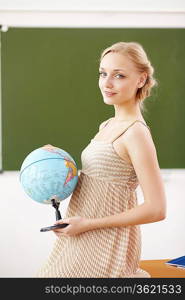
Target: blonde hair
[{"x": 135, "y": 52}]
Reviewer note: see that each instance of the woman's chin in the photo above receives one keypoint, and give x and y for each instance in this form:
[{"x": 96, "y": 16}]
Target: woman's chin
[{"x": 108, "y": 101}]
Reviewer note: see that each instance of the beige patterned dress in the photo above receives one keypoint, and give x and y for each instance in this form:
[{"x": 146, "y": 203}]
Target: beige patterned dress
[{"x": 106, "y": 186}]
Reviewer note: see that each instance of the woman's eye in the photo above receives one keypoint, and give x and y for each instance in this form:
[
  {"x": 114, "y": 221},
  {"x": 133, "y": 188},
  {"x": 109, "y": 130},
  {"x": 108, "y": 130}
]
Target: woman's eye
[
  {"x": 121, "y": 76},
  {"x": 102, "y": 73}
]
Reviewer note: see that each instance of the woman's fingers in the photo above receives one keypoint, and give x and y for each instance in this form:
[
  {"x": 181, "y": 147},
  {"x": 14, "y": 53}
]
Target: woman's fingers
[{"x": 49, "y": 147}]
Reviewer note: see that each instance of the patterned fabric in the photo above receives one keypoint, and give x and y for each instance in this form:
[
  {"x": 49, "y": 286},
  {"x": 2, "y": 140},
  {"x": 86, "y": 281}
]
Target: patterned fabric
[{"x": 106, "y": 186}]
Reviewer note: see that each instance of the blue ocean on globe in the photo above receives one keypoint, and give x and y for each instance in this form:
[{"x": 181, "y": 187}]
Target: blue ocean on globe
[{"x": 48, "y": 174}]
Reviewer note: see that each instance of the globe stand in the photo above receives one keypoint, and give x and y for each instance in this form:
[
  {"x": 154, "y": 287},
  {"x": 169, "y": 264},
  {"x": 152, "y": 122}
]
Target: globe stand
[{"x": 55, "y": 204}]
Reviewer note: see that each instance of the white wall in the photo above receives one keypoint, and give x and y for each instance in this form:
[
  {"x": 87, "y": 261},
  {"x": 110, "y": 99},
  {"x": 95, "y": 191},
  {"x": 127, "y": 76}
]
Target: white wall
[
  {"x": 93, "y": 13},
  {"x": 24, "y": 248},
  {"x": 96, "y": 5}
]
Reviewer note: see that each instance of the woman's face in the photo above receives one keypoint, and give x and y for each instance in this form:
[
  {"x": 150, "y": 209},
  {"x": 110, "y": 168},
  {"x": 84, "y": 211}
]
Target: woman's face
[{"x": 119, "y": 80}]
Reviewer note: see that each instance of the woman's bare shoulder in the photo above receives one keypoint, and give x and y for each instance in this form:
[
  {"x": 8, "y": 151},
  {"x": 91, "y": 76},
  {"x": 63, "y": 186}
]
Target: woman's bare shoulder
[
  {"x": 130, "y": 141},
  {"x": 102, "y": 125},
  {"x": 138, "y": 138},
  {"x": 138, "y": 130}
]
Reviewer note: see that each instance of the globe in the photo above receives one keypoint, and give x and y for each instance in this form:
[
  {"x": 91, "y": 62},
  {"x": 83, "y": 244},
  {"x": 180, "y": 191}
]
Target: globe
[{"x": 48, "y": 174}]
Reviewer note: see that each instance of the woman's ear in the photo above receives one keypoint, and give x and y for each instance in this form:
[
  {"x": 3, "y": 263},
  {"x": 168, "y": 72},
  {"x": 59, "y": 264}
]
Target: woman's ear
[{"x": 142, "y": 79}]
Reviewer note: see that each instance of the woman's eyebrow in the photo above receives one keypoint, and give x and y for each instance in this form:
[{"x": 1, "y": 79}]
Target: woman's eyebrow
[{"x": 114, "y": 69}]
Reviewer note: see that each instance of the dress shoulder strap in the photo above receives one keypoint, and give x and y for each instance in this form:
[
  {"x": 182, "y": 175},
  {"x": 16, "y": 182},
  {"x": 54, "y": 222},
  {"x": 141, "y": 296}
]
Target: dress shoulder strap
[
  {"x": 129, "y": 127},
  {"x": 106, "y": 122}
]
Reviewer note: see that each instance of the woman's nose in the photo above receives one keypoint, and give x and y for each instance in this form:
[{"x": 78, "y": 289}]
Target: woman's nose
[{"x": 108, "y": 82}]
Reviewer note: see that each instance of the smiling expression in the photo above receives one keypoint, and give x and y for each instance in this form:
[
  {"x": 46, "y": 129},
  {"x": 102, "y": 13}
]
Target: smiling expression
[{"x": 118, "y": 79}]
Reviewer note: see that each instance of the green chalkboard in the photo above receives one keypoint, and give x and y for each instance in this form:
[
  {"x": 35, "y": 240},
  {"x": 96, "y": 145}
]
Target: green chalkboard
[{"x": 50, "y": 90}]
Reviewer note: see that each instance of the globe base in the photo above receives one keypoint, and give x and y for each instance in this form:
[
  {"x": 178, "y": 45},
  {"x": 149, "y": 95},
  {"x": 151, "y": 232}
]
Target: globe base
[{"x": 55, "y": 204}]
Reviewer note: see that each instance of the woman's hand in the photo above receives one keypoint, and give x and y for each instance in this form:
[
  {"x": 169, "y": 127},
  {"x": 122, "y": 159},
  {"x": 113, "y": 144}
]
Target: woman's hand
[
  {"x": 77, "y": 225},
  {"x": 49, "y": 147}
]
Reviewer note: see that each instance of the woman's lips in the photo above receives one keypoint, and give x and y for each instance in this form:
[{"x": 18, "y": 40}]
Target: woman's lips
[{"x": 108, "y": 94}]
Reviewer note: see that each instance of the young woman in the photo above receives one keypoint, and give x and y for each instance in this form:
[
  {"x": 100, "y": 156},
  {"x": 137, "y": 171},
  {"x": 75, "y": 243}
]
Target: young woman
[{"x": 103, "y": 235}]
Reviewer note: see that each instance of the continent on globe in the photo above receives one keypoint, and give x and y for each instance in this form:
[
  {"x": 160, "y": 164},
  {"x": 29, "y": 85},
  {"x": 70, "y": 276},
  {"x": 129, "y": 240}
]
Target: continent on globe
[
  {"x": 48, "y": 174},
  {"x": 69, "y": 164}
]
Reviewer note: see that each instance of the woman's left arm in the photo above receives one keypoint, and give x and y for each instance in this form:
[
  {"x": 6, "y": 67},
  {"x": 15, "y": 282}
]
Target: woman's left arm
[{"x": 141, "y": 149}]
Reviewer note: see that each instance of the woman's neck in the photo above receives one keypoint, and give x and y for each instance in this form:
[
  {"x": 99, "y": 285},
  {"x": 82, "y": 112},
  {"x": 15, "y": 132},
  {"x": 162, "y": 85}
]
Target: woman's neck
[{"x": 128, "y": 113}]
